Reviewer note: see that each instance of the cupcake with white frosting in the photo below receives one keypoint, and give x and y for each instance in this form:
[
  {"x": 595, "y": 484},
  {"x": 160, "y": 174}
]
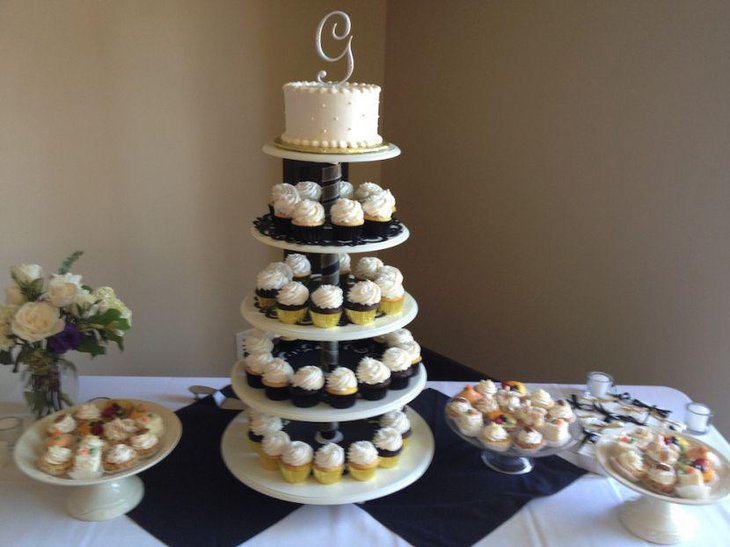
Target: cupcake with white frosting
[
  {"x": 362, "y": 302},
  {"x": 378, "y": 211},
  {"x": 259, "y": 425},
  {"x": 276, "y": 379},
  {"x": 307, "y": 386},
  {"x": 309, "y": 190},
  {"x": 272, "y": 446},
  {"x": 457, "y": 407},
  {"x": 258, "y": 342},
  {"x": 329, "y": 463},
  {"x": 345, "y": 269},
  {"x": 486, "y": 388},
  {"x": 341, "y": 388},
  {"x": 87, "y": 413},
  {"x": 413, "y": 349},
  {"x": 325, "y": 307},
  {"x": 269, "y": 282},
  {"x": 291, "y": 303},
  {"x": 365, "y": 190},
  {"x": 64, "y": 423},
  {"x": 398, "y": 337},
  {"x": 389, "y": 445},
  {"x": 541, "y": 398},
  {"x": 145, "y": 443},
  {"x": 254, "y": 365},
  {"x": 392, "y": 295},
  {"x": 347, "y": 220},
  {"x": 398, "y": 421},
  {"x": 307, "y": 221},
  {"x": 119, "y": 430},
  {"x": 284, "y": 207},
  {"x": 495, "y": 437},
  {"x": 487, "y": 405},
  {"x": 529, "y": 439},
  {"x": 300, "y": 266},
  {"x": 373, "y": 379},
  {"x": 399, "y": 363},
  {"x": 367, "y": 268},
  {"x": 661, "y": 478},
  {"x": 470, "y": 423},
  {"x": 296, "y": 461},
  {"x": 279, "y": 190},
  {"x": 119, "y": 457},
  {"x": 346, "y": 189},
  {"x": 56, "y": 461},
  {"x": 362, "y": 460},
  {"x": 630, "y": 465}
]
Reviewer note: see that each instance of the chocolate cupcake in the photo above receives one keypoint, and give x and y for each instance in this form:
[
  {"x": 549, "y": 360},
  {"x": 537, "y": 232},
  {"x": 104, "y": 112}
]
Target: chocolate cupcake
[
  {"x": 309, "y": 190},
  {"x": 341, "y": 388},
  {"x": 307, "y": 386},
  {"x": 258, "y": 342},
  {"x": 291, "y": 303},
  {"x": 389, "y": 444},
  {"x": 373, "y": 379},
  {"x": 378, "y": 211},
  {"x": 399, "y": 363},
  {"x": 347, "y": 220},
  {"x": 269, "y": 281},
  {"x": 308, "y": 221},
  {"x": 279, "y": 190},
  {"x": 276, "y": 379},
  {"x": 362, "y": 302},
  {"x": 367, "y": 268},
  {"x": 398, "y": 421},
  {"x": 346, "y": 189},
  {"x": 283, "y": 211},
  {"x": 301, "y": 268},
  {"x": 365, "y": 190},
  {"x": 325, "y": 307},
  {"x": 255, "y": 364}
]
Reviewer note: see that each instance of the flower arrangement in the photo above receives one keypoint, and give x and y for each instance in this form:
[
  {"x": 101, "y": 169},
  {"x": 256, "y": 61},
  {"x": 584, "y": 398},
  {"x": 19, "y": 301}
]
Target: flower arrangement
[{"x": 44, "y": 318}]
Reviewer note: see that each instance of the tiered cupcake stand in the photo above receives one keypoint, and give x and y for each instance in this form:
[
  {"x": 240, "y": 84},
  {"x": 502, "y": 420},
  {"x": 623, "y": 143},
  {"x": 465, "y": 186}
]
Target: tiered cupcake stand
[{"x": 416, "y": 457}]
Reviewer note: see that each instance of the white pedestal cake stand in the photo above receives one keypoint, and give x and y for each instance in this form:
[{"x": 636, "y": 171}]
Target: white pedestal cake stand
[
  {"x": 110, "y": 495},
  {"x": 655, "y": 517}
]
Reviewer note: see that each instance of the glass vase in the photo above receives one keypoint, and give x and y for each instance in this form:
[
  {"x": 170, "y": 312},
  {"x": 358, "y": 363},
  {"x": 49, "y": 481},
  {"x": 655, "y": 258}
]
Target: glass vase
[{"x": 50, "y": 386}]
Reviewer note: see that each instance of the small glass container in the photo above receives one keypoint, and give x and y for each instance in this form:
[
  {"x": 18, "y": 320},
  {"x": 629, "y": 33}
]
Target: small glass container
[
  {"x": 698, "y": 418},
  {"x": 599, "y": 383}
]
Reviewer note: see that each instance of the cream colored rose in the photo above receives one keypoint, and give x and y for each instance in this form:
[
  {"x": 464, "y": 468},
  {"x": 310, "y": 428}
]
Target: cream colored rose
[
  {"x": 26, "y": 273},
  {"x": 6, "y": 343},
  {"x": 35, "y": 321},
  {"x": 6, "y": 316},
  {"x": 109, "y": 300},
  {"x": 62, "y": 289},
  {"x": 13, "y": 296}
]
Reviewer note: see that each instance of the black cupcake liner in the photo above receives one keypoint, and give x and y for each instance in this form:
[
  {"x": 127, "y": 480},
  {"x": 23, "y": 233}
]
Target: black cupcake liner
[
  {"x": 341, "y": 401},
  {"x": 349, "y": 234},
  {"x": 304, "y": 398},
  {"x": 307, "y": 234},
  {"x": 254, "y": 380},
  {"x": 374, "y": 228},
  {"x": 277, "y": 393}
]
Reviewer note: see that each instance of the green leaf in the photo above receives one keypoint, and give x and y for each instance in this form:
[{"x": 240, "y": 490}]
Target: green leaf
[
  {"x": 122, "y": 324},
  {"x": 107, "y": 317},
  {"x": 91, "y": 345},
  {"x": 6, "y": 358},
  {"x": 70, "y": 259}
]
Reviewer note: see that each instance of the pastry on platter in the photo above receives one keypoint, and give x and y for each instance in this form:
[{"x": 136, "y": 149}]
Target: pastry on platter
[
  {"x": 389, "y": 444},
  {"x": 362, "y": 460},
  {"x": 119, "y": 457},
  {"x": 495, "y": 437},
  {"x": 56, "y": 461},
  {"x": 296, "y": 461},
  {"x": 329, "y": 463}
]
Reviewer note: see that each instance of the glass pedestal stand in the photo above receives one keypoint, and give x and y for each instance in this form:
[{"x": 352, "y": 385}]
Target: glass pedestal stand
[{"x": 511, "y": 465}]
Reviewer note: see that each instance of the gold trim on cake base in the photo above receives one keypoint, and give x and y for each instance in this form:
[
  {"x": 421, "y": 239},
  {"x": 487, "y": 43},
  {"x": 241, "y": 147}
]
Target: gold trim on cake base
[{"x": 328, "y": 150}]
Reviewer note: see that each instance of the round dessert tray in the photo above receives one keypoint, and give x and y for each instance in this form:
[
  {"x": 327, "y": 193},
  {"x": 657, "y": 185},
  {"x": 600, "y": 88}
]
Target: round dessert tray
[
  {"x": 322, "y": 412},
  {"x": 514, "y": 461},
  {"x": 110, "y": 495},
  {"x": 381, "y": 325},
  {"x": 244, "y": 465},
  {"x": 364, "y": 247},
  {"x": 656, "y": 517},
  {"x": 387, "y": 151}
]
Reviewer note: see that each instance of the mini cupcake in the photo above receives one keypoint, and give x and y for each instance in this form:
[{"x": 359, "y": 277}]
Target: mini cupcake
[
  {"x": 258, "y": 342},
  {"x": 283, "y": 211},
  {"x": 457, "y": 407},
  {"x": 345, "y": 277},
  {"x": 56, "y": 461},
  {"x": 276, "y": 379},
  {"x": 365, "y": 190},
  {"x": 254, "y": 365},
  {"x": 661, "y": 478},
  {"x": 505, "y": 419},
  {"x": 392, "y": 295},
  {"x": 291, "y": 303},
  {"x": 398, "y": 338},
  {"x": 308, "y": 221},
  {"x": 296, "y": 461},
  {"x": 145, "y": 443},
  {"x": 119, "y": 457},
  {"x": 399, "y": 363},
  {"x": 367, "y": 268},
  {"x": 470, "y": 394},
  {"x": 307, "y": 386},
  {"x": 152, "y": 422},
  {"x": 325, "y": 308},
  {"x": 341, "y": 388},
  {"x": 64, "y": 423},
  {"x": 486, "y": 388},
  {"x": 119, "y": 430},
  {"x": 65, "y": 440},
  {"x": 389, "y": 445},
  {"x": 301, "y": 268},
  {"x": 362, "y": 460},
  {"x": 87, "y": 413},
  {"x": 690, "y": 484},
  {"x": 508, "y": 400},
  {"x": 329, "y": 463},
  {"x": 398, "y": 421},
  {"x": 542, "y": 399},
  {"x": 495, "y": 437},
  {"x": 561, "y": 409},
  {"x": 259, "y": 425},
  {"x": 269, "y": 282},
  {"x": 378, "y": 211},
  {"x": 529, "y": 439},
  {"x": 630, "y": 465},
  {"x": 346, "y": 189},
  {"x": 487, "y": 405},
  {"x": 470, "y": 423},
  {"x": 309, "y": 190},
  {"x": 373, "y": 379},
  {"x": 555, "y": 431},
  {"x": 279, "y": 190},
  {"x": 531, "y": 416},
  {"x": 660, "y": 452},
  {"x": 347, "y": 220},
  {"x": 390, "y": 272},
  {"x": 362, "y": 303},
  {"x": 413, "y": 349},
  {"x": 271, "y": 448}
]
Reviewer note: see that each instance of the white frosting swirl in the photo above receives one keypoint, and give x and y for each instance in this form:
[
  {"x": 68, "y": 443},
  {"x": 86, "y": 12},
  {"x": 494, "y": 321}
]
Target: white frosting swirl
[
  {"x": 367, "y": 267},
  {"x": 329, "y": 456},
  {"x": 398, "y": 337},
  {"x": 256, "y": 362},
  {"x": 397, "y": 420},
  {"x": 541, "y": 397},
  {"x": 561, "y": 409},
  {"x": 378, "y": 206},
  {"x": 470, "y": 422},
  {"x": 309, "y": 377},
  {"x": 274, "y": 442},
  {"x": 88, "y": 412},
  {"x": 272, "y": 277},
  {"x": 494, "y": 433},
  {"x": 261, "y": 424},
  {"x": 144, "y": 440},
  {"x": 631, "y": 460},
  {"x": 347, "y": 212},
  {"x": 58, "y": 455},
  {"x": 529, "y": 436},
  {"x": 293, "y": 293},
  {"x": 366, "y": 189},
  {"x": 282, "y": 189},
  {"x": 413, "y": 348},
  {"x": 118, "y": 430},
  {"x": 297, "y": 453},
  {"x": 299, "y": 264},
  {"x": 389, "y": 288},
  {"x": 388, "y": 438},
  {"x": 344, "y": 263},
  {"x": 309, "y": 190},
  {"x": 346, "y": 189},
  {"x": 327, "y": 297},
  {"x": 258, "y": 342},
  {"x": 278, "y": 372},
  {"x": 120, "y": 453},
  {"x": 396, "y": 359},
  {"x": 662, "y": 474},
  {"x": 486, "y": 404},
  {"x": 362, "y": 453},
  {"x": 459, "y": 406},
  {"x": 62, "y": 424},
  {"x": 308, "y": 213},
  {"x": 390, "y": 272},
  {"x": 284, "y": 205},
  {"x": 341, "y": 379},
  {"x": 486, "y": 387},
  {"x": 92, "y": 441},
  {"x": 365, "y": 293},
  {"x": 372, "y": 371}
]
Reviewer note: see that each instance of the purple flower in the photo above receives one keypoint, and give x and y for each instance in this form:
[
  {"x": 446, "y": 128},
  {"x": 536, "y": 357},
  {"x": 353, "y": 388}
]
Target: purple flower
[{"x": 66, "y": 340}]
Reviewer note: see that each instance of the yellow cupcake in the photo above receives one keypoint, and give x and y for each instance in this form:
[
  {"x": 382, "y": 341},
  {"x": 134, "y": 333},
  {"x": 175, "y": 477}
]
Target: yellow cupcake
[
  {"x": 362, "y": 460},
  {"x": 325, "y": 320},
  {"x": 389, "y": 461},
  {"x": 295, "y": 473},
  {"x": 265, "y": 302},
  {"x": 362, "y": 472},
  {"x": 291, "y": 317},
  {"x": 361, "y": 317},
  {"x": 391, "y": 306},
  {"x": 268, "y": 462},
  {"x": 328, "y": 476},
  {"x": 389, "y": 443},
  {"x": 329, "y": 463},
  {"x": 296, "y": 461}
]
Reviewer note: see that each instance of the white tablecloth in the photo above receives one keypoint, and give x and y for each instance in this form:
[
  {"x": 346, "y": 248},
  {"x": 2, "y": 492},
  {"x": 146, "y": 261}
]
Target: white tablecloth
[{"x": 583, "y": 514}]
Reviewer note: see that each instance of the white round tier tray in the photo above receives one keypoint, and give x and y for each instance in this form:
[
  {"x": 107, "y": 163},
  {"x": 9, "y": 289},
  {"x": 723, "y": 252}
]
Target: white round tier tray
[
  {"x": 390, "y": 152},
  {"x": 382, "y": 325},
  {"x": 394, "y": 400},
  {"x": 333, "y": 249},
  {"x": 108, "y": 496},
  {"x": 244, "y": 464},
  {"x": 655, "y": 517}
]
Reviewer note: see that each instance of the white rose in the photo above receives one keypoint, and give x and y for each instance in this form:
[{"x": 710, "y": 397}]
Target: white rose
[
  {"x": 35, "y": 321},
  {"x": 6, "y": 316},
  {"x": 25, "y": 274},
  {"x": 62, "y": 289},
  {"x": 83, "y": 302},
  {"x": 13, "y": 296}
]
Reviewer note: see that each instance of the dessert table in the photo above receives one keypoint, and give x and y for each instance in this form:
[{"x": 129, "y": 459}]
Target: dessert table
[{"x": 583, "y": 513}]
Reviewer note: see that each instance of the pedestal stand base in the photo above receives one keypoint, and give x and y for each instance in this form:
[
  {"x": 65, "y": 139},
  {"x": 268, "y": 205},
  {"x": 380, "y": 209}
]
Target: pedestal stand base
[
  {"x": 510, "y": 465},
  {"x": 106, "y": 500},
  {"x": 656, "y": 521}
]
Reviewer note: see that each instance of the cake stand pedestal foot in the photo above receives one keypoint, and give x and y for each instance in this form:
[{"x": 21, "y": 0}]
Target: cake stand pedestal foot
[
  {"x": 106, "y": 500},
  {"x": 656, "y": 521},
  {"x": 510, "y": 465}
]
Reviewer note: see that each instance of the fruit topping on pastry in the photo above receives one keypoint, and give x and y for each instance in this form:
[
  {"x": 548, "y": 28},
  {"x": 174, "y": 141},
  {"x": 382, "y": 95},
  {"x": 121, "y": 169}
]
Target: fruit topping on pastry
[
  {"x": 470, "y": 394},
  {"x": 514, "y": 385}
]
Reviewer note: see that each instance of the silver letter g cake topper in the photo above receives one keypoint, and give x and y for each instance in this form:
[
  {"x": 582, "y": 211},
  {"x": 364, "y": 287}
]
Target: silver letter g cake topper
[{"x": 345, "y": 35}]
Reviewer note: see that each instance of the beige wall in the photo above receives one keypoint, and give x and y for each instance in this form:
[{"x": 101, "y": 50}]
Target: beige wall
[
  {"x": 133, "y": 130},
  {"x": 565, "y": 177}
]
